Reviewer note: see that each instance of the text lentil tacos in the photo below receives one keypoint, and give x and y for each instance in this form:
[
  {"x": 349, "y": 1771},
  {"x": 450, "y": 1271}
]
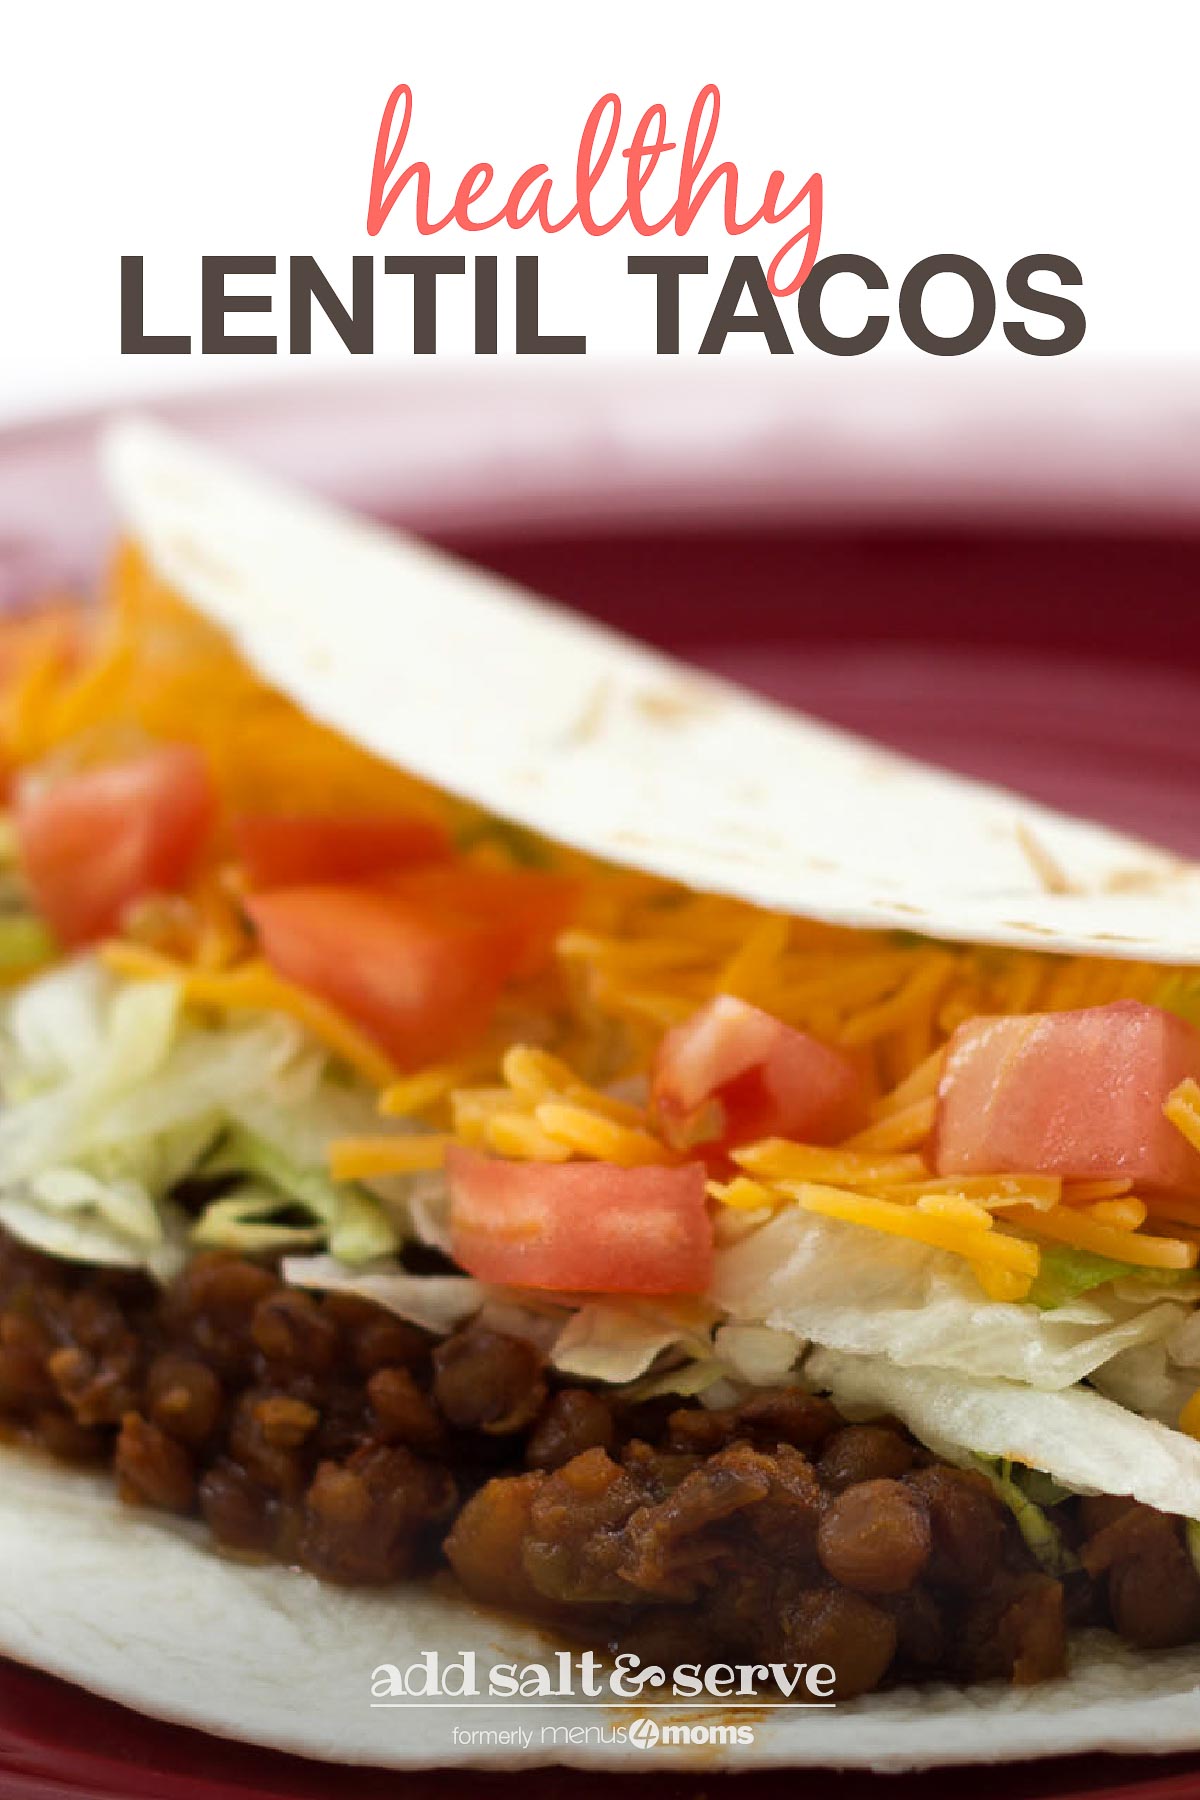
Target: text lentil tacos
[{"x": 478, "y": 1098}]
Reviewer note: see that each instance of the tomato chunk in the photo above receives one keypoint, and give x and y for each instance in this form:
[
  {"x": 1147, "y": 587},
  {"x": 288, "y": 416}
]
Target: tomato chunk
[
  {"x": 277, "y": 851},
  {"x": 588, "y": 1226},
  {"x": 523, "y": 909},
  {"x": 732, "y": 1073},
  {"x": 1078, "y": 1094},
  {"x": 422, "y": 983},
  {"x": 94, "y": 842}
]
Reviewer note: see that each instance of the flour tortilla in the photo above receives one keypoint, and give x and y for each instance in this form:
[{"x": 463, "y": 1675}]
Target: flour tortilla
[
  {"x": 597, "y": 742},
  {"x": 586, "y": 738},
  {"x": 127, "y": 1605}
]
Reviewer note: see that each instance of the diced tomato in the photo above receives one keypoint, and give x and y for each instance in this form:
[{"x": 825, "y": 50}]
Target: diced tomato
[
  {"x": 422, "y": 982},
  {"x": 588, "y": 1226},
  {"x": 93, "y": 842},
  {"x": 278, "y": 851},
  {"x": 1078, "y": 1094},
  {"x": 418, "y": 959},
  {"x": 524, "y": 909},
  {"x": 731, "y": 1074}
]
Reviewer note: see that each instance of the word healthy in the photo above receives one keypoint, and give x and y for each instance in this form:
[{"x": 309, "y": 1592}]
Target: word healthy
[{"x": 638, "y": 184}]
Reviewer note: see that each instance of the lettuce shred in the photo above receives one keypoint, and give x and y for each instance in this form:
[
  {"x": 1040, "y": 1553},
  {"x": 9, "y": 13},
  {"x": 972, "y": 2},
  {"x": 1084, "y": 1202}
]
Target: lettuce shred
[
  {"x": 1029, "y": 1495},
  {"x": 114, "y": 1097},
  {"x": 1064, "y": 1273}
]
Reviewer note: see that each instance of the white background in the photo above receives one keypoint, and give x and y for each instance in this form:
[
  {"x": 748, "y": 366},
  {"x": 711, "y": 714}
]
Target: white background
[{"x": 248, "y": 127}]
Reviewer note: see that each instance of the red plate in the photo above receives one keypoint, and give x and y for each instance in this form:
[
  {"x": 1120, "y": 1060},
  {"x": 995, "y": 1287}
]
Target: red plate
[{"x": 1063, "y": 659}]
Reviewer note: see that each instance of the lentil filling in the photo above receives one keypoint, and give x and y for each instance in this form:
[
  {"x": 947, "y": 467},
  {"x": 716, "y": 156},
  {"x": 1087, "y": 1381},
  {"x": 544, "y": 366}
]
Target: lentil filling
[{"x": 329, "y": 1434}]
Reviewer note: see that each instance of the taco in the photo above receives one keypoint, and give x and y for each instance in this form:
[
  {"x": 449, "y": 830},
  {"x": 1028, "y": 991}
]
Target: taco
[{"x": 505, "y": 1136}]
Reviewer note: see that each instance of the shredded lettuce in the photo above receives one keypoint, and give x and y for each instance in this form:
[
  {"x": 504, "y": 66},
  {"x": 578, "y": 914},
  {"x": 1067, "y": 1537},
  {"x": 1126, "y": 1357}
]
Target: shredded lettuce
[
  {"x": 652, "y": 1350},
  {"x": 1192, "y": 1533},
  {"x": 1076, "y": 1436},
  {"x": 1016, "y": 1487},
  {"x": 524, "y": 1313},
  {"x": 616, "y": 1342},
  {"x": 125, "y": 1203},
  {"x": 1147, "y": 1381},
  {"x": 859, "y": 1291},
  {"x": 1156, "y": 1379},
  {"x": 646, "y": 1348},
  {"x": 84, "y": 1236},
  {"x": 302, "y": 1119},
  {"x": 113, "y": 1097},
  {"x": 356, "y": 1227},
  {"x": 436, "y": 1303},
  {"x": 759, "y": 1355},
  {"x": 25, "y": 943},
  {"x": 690, "y": 1380},
  {"x": 1039, "y": 1487},
  {"x": 428, "y": 1208},
  {"x": 1064, "y": 1273},
  {"x": 248, "y": 1220},
  {"x": 718, "y": 1374},
  {"x": 52, "y": 1026}
]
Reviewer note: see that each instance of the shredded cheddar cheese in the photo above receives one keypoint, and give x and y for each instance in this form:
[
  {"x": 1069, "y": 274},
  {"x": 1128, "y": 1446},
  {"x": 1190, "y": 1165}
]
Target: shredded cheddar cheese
[
  {"x": 359, "y": 1159},
  {"x": 592, "y": 1134},
  {"x": 779, "y": 1160},
  {"x": 1183, "y": 1109},
  {"x": 1125, "y": 1214},
  {"x": 536, "y": 1077},
  {"x": 748, "y": 972},
  {"x": 913, "y": 1000},
  {"x": 521, "y": 1136},
  {"x": 979, "y": 1244},
  {"x": 422, "y": 1092},
  {"x": 743, "y": 1194},
  {"x": 1004, "y": 1285},
  {"x": 1076, "y": 1192},
  {"x": 996, "y": 1192},
  {"x": 919, "y": 1084},
  {"x": 1069, "y": 1225},
  {"x": 1189, "y": 1417},
  {"x": 905, "y": 1129},
  {"x": 957, "y": 1208},
  {"x": 472, "y": 1110}
]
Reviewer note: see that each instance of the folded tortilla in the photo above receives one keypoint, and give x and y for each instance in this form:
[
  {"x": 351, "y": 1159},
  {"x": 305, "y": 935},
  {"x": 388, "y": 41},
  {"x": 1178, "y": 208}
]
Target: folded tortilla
[{"x": 596, "y": 743}]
